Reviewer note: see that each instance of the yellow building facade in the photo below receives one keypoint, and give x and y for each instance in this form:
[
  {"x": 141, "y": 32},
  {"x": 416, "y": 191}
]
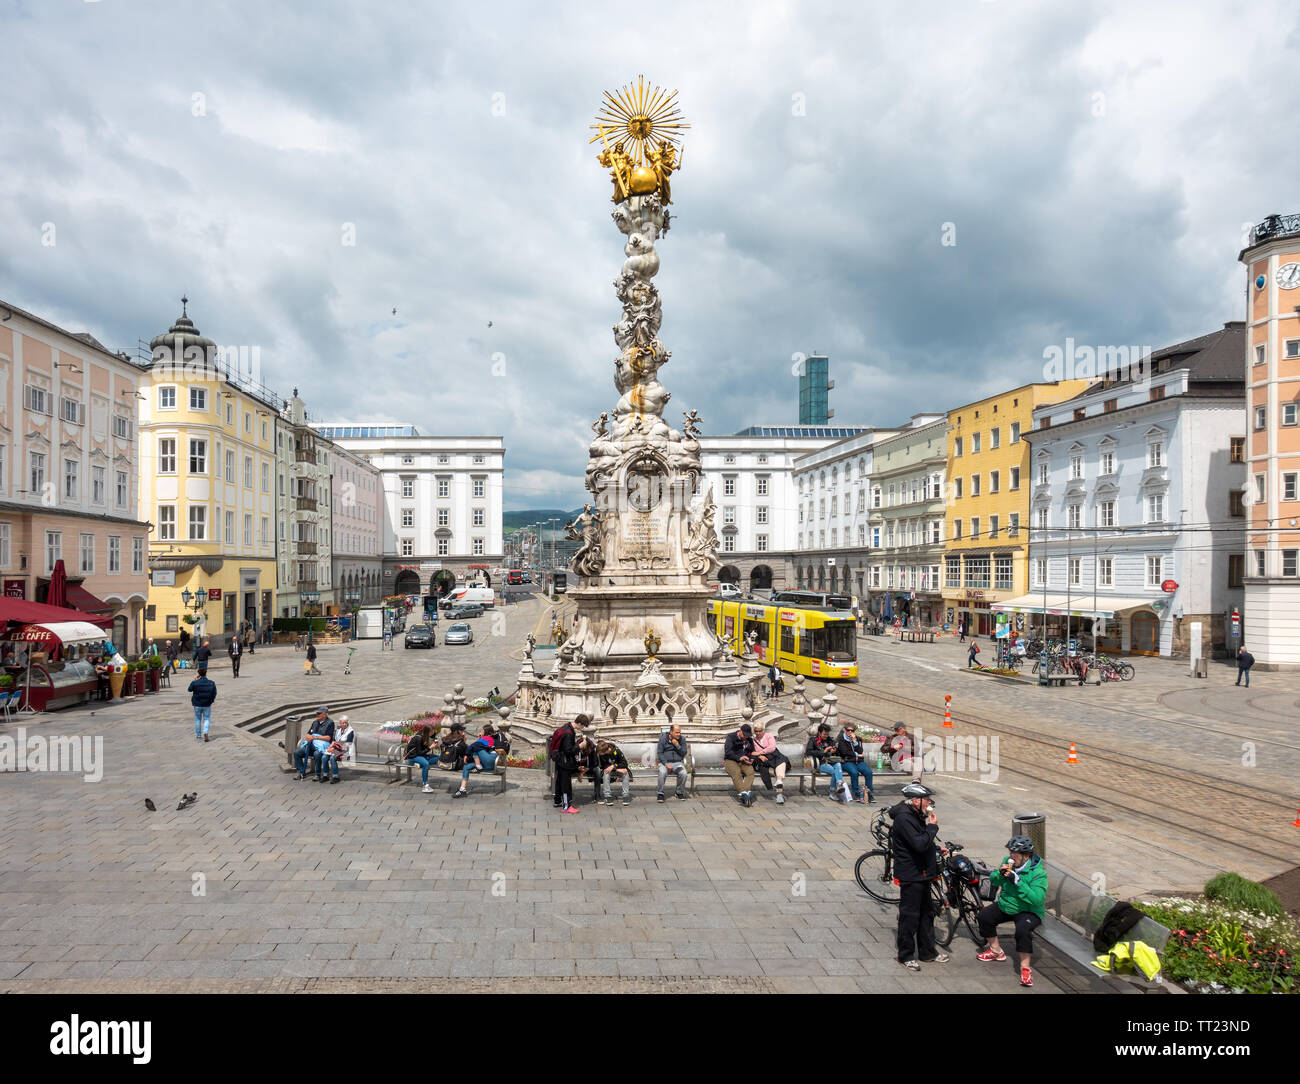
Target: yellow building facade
[
  {"x": 207, "y": 472},
  {"x": 986, "y": 527}
]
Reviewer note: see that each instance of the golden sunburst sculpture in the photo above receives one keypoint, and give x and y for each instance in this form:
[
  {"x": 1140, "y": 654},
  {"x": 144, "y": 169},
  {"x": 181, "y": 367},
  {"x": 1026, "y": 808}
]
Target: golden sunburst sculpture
[{"x": 641, "y": 129}]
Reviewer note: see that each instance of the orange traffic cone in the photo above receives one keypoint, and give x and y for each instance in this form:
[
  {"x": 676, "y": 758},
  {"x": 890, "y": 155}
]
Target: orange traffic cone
[
  {"x": 1297, "y": 819},
  {"x": 1073, "y": 758},
  {"x": 947, "y": 710}
]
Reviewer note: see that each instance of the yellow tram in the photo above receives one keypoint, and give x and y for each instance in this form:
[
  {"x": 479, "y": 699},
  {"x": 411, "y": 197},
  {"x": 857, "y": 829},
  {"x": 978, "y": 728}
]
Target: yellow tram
[{"x": 812, "y": 640}]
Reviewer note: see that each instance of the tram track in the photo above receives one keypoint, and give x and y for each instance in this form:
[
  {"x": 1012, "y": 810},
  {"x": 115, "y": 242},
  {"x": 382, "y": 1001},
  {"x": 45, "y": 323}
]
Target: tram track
[{"x": 1181, "y": 802}]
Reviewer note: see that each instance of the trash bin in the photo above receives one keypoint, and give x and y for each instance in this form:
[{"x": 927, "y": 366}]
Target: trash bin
[{"x": 1033, "y": 825}]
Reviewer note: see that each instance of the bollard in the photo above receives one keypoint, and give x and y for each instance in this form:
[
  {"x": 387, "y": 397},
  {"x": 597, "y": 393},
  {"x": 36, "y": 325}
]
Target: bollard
[
  {"x": 947, "y": 710},
  {"x": 1033, "y": 825}
]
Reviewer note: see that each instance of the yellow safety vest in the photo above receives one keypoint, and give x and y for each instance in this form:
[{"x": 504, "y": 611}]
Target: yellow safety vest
[{"x": 1126, "y": 955}]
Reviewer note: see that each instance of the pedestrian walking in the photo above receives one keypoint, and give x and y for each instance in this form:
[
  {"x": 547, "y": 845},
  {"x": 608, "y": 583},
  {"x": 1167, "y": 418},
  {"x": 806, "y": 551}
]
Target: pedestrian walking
[
  {"x": 915, "y": 866},
  {"x": 1245, "y": 660},
  {"x": 970, "y": 655},
  {"x": 203, "y": 691},
  {"x": 202, "y": 654},
  {"x": 961, "y": 629},
  {"x": 234, "y": 650},
  {"x": 169, "y": 653},
  {"x": 311, "y": 659}
]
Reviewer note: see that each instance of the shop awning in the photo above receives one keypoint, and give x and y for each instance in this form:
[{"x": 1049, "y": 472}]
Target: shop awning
[
  {"x": 1073, "y": 605},
  {"x": 81, "y": 599},
  {"x": 61, "y": 632},
  {"x": 34, "y": 613}
]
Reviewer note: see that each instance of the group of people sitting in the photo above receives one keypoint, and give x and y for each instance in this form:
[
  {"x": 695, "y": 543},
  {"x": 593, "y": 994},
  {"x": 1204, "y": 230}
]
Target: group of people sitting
[
  {"x": 456, "y": 751},
  {"x": 323, "y": 747}
]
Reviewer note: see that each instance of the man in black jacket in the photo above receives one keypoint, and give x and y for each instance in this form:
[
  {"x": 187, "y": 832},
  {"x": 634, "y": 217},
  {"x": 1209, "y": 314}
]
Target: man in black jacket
[
  {"x": 202, "y": 653},
  {"x": 1245, "y": 660},
  {"x": 612, "y": 767},
  {"x": 738, "y": 761},
  {"x": 234, "y": 649},
  {"x": 203, "y": 691},
  {"x": 915, "y": 866}
]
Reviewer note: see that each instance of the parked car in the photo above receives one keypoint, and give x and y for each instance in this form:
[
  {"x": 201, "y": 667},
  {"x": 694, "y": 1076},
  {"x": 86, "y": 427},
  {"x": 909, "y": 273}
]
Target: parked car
[
  {"x": 458, "y": 634},
  {"x": 459, "y": 613},
  {"x": 729, "y": 590},
  {"x": 420, "y": 636}
]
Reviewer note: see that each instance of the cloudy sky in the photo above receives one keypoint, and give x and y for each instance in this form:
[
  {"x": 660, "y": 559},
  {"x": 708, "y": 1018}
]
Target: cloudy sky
[{"x": 1096, "y": 164}]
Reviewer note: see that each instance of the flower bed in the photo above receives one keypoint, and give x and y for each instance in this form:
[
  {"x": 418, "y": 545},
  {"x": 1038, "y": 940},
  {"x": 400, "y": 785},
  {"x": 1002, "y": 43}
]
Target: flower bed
[
  {"x": 537, "y": 760},
  {"x": 407, "y": 727},
  {"x": 1216, "y": 947}
]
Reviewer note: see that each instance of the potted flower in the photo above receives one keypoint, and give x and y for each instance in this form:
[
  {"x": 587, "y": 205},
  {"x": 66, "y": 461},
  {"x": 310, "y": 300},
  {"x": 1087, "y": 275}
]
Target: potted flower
[{"x": 154, "y": 672}]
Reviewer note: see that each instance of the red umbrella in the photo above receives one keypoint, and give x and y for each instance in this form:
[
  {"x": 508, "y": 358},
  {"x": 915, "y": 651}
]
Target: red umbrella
[{"x": 58, "y": 592}]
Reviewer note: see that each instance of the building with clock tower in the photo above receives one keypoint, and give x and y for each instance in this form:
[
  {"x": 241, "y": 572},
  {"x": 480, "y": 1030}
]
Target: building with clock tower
[{"x": 1271, "y": 622}]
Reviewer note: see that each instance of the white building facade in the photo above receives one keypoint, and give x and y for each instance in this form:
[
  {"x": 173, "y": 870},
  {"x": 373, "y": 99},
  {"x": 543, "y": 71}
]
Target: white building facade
[
  {"x": 1137, "y": 524},
  {"x": 752, "y": 477},
  {"x": 442, "y": 502}
]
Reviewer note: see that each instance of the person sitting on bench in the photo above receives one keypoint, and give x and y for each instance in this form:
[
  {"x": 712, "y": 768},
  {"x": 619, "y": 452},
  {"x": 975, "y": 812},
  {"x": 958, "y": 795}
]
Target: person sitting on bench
[
  {"x": 768, "y": 759},
  {"x": 672, "y": 758},
  {"x": 612, "y": 766},
  {"x": 480, "y": 756},
  {"x": 339, "y": 749}
]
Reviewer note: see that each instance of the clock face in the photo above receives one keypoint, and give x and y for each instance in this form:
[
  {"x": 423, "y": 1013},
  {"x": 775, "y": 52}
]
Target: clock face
[{"x": 1288, "y": 276}]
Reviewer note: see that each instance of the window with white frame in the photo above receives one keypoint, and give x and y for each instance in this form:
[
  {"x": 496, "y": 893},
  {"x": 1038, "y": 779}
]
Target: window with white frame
[
  {"x": 875, "y": 496},
  {"x": 729, "y": 485},
  {"x": 4, "y": 545},
  {"x": 166, "y": 522},
  {"x": 1042, "y": 473},
  {"x": 478, "y": 517},
  {"x": 1259, "y": 354},
  {"x": 1259, "y": 562},
  {"x": 266, "y": 477},
  {"x": 1155, "y": 508},
  {"x": 198, "y": 522},
  {"x": 408, "y": 547},
  {"x": 198, "y": 456},
  {"x": 1013, "y": 525},
  {"x": 957, "y": 488},
  {"x": 248, "y": 472},
  {"x": 975, "y": 527},
  {"x": 199, "y": 399},
  {"x": 230, "y": 414},
  {"x": 1076, "y": 564},
  {"x": 1106, "y": 514},
  {"x": 408, "y": 488},
  {"x": 71, "y": 480},
  {"x": 1074, "y": 516},
  {"x": 956, "y": 447},
  {"x": 956, "y": 530},
  {"x": 974, "y": 485},
  {"x": 1289, "y": 413},
  {"x": 993, "y": 526},
  {"x": 408, "y": 517},
  {"x": 53, "y": 550},
  {"x": 1015, "y": 433},
  {"x": 760, "y": 514},
  {"x": 443, "y": 547},
  {"x": 97, "y": 487},
  {"x": 1155, "y": 570},
  {"x": 835, "y": 537},
  {"x": 266, "y": 531},
  {"x": 444, "y": 517},
  {"x": 230, "y": 464},
  {"x": 1261, "y": 417},
  {"x": 1289, "y": 486},
  {"x": 760, "y": 543},
  {"x": 72, "y": 411},
  {"x": 729, "y": 513},
  {"x": 729, "y": 543},
  {"x": 875, "y": 538},
  {"x": 952, "y": 572},
  {"x": 1105, "y": 571},
  {"x": 476, "y": 546},
  {"x": 761, "y": 483},
  {"x": 1289, "y": 564},
  {"x": 477, "y": 488},
  {"x": 229, "y": 523},
  {"x": 114, "y": 554},
  {"x": 86, "y": 552},
  {"x": 1042, "y": 518},
  {"x": 1040, "y": 571},
  {"x": 1156, "y": 453},
  {"x": 974, "y": 443},
  {"x": 167, "y": 398},
  {"x": 248, "y": 422},
  {"x": 1076, "y": 466},
  {"x": 1107, "y": 463}
]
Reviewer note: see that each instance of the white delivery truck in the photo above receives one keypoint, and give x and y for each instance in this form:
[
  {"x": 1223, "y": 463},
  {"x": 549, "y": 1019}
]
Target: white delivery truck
[{"x": 464, "y": 596}]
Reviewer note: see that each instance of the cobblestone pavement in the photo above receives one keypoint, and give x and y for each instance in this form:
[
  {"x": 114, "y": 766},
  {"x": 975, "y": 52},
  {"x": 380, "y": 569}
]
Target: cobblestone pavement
[
  {"x": 268, "y": 883},
  {"x": 1178, "y": 777}
]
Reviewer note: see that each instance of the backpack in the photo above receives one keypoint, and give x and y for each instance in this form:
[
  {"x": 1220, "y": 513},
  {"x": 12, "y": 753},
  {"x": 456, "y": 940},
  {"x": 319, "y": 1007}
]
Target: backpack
[
  {"x": 1118, "y": 921},
  {"x": 553, "y": 748}
]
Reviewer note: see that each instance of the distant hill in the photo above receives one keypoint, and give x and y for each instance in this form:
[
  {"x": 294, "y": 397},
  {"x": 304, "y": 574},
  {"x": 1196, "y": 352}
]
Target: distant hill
[{"x": 512, "y": 521}]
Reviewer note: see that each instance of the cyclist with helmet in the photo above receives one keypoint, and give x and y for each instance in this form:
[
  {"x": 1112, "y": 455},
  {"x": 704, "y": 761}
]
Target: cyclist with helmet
[
  {"x": 916, "y": 865},
  {"x": 1022, "y": 878}
]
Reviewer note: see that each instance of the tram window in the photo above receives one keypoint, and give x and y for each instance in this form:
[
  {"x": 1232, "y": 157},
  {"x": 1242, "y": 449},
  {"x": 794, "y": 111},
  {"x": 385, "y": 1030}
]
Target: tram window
[
  {"x": 787, "y": 639},
  {"x": 760, "y": 628},
  {"x": 835, "y": 643}
]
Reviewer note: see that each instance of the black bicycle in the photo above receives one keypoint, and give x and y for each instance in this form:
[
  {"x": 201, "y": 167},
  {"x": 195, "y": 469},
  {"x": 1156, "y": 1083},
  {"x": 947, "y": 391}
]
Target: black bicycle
[{"x": 954, "y": 895}]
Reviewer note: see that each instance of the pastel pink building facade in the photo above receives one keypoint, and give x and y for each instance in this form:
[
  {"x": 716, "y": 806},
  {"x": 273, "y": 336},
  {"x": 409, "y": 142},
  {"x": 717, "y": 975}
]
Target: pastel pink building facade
[{"x": 357, "y": 519}]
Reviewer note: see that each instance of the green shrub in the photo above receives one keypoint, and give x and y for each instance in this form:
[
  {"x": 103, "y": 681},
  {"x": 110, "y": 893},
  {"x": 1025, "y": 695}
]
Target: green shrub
[{"x": 1235, "y": 891}]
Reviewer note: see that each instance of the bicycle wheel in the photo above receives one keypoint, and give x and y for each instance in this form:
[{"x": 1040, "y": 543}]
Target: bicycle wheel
[
  {"x": 1126, "y": 671},
  {"x": 874, "y": 872},
  {"x": 945, "y": 915},
  {"x": 971, "y": 905}
]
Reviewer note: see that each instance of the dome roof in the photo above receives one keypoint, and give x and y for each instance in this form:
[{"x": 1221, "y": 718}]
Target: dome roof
[{"x": 180, "y": 341}]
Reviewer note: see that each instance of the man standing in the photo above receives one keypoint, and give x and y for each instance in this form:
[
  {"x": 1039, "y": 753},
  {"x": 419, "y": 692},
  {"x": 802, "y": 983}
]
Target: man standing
[
  {"x": 202, "y": 654},
  {"x": 915, "y": 866},
  {"x": 1245, "y": 660},
  {"x": 738, "y": 761},
  {"x": 564, "y": 753},
  {"x": 202, "y": 692},
  {"x": 233, "y": 649},
  {"x": 169, "y": 653},
  {"x": 672, "y": 758},
  {"x": 311, "y": 659}
]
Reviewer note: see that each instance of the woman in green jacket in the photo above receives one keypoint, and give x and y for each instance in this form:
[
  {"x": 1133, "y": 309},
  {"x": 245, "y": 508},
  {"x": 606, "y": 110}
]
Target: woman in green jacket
[{"x": 1022, "y": 878}]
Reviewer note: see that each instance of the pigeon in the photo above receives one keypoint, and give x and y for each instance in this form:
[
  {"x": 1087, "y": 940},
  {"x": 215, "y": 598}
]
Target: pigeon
[
  {"x": 394, "y": 312},
  {"x": 489, "y": 323},
  {"x": 148, "y": 804},
  {"x": 188, "y": 799}
]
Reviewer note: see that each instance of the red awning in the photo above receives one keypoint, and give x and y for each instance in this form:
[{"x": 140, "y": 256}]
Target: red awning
[
  {"x": 35, "y": 613},
  {"x": 81, "y": 599}
]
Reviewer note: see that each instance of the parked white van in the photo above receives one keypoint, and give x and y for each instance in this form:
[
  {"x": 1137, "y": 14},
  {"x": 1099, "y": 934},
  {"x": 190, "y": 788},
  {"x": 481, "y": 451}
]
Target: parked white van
[{"x": 476, "y": 595}]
